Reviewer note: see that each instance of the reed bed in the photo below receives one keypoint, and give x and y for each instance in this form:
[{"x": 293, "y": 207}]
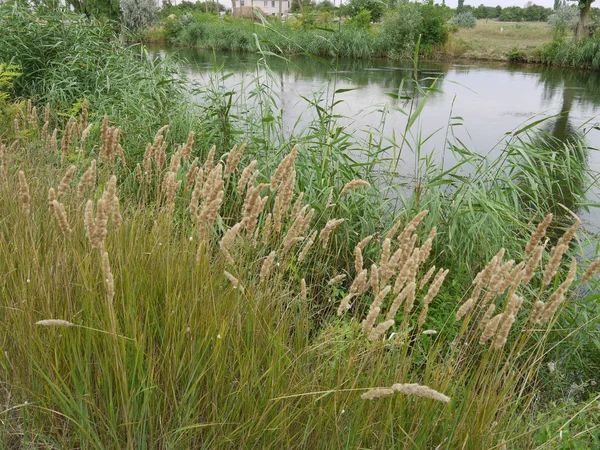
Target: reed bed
[{"x": 190, "y": 314}]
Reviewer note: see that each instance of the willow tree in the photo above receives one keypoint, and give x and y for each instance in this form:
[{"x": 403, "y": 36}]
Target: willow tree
[{"x": 138, "y": 14}]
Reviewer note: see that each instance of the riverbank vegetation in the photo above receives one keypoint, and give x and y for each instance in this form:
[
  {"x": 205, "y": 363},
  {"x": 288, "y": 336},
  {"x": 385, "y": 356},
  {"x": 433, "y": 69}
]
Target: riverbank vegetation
[
  {"x": 362, "y": 29},
  {"x": 278, "y": 289},
  {"x": 316, "y": 33},
  {"x": 367, "y": 30},
  {"x": 495, "y": 41}
]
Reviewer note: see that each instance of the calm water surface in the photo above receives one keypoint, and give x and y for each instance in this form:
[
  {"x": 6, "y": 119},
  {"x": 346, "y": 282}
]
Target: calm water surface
[{"x": 490, "y": 99}]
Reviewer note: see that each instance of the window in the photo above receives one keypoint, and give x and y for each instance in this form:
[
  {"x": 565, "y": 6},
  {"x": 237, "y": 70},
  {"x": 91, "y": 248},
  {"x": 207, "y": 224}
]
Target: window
[
  {"x": 288, "y": 5},
  {"x": 266, "y": 3},
  {"x": 241, "y": 2},
  {"x": 273, "y": 4}
]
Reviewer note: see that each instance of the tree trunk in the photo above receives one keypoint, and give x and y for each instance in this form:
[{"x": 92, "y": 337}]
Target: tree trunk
[
  {"x": 233, "y": 8},
  {"x": 583, "y": 26},
  {"x": 280, "y": 8}
]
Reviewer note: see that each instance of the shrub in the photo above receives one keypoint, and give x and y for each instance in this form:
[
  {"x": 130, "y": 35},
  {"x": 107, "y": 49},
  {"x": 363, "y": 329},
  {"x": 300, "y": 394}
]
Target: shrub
[
  {"x": 174, "y": 26},
  {"x": 433, "y": 29},
  {"x": 375, "y": 7},
  {"x": 361, "y": 20},
  {"x": 564, "y": 20},
  {"x": 8, "y": 73},
  {"x": 517, "y": 55},
  {"x": 138, "y": 14},
  {"x": 64, "y": 58},
  {"x": 464, "y": 19},
  {"x": 400, "y": 29}
]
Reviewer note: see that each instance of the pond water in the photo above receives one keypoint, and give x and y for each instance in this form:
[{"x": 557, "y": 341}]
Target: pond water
[{"x": 490, "y": 99}]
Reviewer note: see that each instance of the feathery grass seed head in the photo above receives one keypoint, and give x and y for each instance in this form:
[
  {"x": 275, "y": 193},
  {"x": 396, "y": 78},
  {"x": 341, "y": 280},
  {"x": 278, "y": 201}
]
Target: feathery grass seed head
[
  {"x": 61, "y": 216},
  {"x": 108, "y": 278},
  {"x": 51, "y": 198},
  {"x": 538, "y": 235},
  {"x": 353, "y": 185},
  {"x": 379, "y": 331},
  {"x": 372, "y": 394},
  {"x": 235, "y": 283},
  {"x": 328, "y": 229},
  {"x": 66, "y": 181},
  {"x": 420, "y": 391},
  {"x": 266, "y": 266},
  {"x": 336, "y": 279},
  {"x": 88, "y": 180},
  {"x": 490, "y": 328},
  {"x": 591, "y": 271},
  {"x": 54, "y": 323},
  {"x": 228, "y": 240},
  {"x": 24, "y": 193}
]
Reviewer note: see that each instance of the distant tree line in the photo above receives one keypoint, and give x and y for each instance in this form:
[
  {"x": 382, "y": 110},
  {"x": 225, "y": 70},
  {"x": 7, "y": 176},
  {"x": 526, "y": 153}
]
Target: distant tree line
[{"x": 529, "y": 13}]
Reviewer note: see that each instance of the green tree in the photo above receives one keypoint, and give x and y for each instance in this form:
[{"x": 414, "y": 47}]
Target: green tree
[
  {"x": 481, "y": 12},
  {"x": 299, "y": 5},
  {"x": 361, "y": 20},
  {"x": 400, "y": 29},
  {"x": 563, "y": 20},
  {"x": 326, "y": 5},
  {"x": 433, "y": 28},
  {"x": 103, "y": 9},
  {"x": 375, "y": 7},
  {"x": 585, "y": 11}
]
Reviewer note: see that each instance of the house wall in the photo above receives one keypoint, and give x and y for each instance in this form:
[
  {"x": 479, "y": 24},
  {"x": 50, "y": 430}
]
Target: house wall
[{"x": 270, "y": 7}]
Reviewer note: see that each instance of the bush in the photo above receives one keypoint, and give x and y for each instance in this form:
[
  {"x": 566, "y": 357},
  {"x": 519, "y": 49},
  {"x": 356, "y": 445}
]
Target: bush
[
  {"x": 65, "y": 58},
  {"x": 517, "y": 55},
  {"x": 563, "y": 20},
  {"x": 433, "y": 29},
  {"x": 375, "y": 7},
  {"x": 138, "y": 14},
  {"x": 8, "y": 74},
  {"x": 361, "y": 20},
  {"x": 400, "y": 29},
  {"x": 464, "y": 19}
]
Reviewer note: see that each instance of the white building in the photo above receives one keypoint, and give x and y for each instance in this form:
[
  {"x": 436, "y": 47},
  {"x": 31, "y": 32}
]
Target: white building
[{"x": 270, "y": 7}]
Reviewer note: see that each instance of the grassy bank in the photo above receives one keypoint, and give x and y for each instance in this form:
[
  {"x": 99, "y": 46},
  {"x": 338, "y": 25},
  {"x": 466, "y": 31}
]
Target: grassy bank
[
  {"x": 569, "y": 53},
  {"x": 161, "y": 294},
  {"x": 490, "y": 40},
  {"x": 148, "y": 322},
  {"x": 496, "y": 41},
  {"x": 395, "y": 37}
]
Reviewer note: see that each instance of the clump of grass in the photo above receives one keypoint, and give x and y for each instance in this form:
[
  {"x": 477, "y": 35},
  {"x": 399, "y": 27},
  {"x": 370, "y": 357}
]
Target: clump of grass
[{"x": 215, "y": 339}]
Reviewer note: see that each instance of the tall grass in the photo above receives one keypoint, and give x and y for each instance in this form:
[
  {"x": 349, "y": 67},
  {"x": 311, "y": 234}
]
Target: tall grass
[
  {"x": 161, "y": 349},
  {"x": 241, "y": 35},
  {"x": 181, "y": 359},
  {"x": 66, "y": 58},
  {"x": 60, "y": 63},
  {"x": 572, "y": 53},
  {"x": 396, "y": 37}
]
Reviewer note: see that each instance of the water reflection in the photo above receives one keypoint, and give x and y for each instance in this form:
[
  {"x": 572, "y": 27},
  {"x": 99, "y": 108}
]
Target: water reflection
[
  {"x": 580, "y": 87},
  {"x": 488, "y": 99},
  {"x": 358, "y": 72}
]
